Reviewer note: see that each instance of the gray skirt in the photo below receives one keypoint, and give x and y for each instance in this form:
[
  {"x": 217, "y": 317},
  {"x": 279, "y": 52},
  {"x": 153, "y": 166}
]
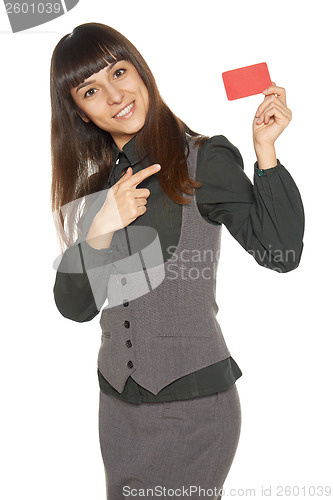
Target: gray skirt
[{"x": 171, "y": 449}]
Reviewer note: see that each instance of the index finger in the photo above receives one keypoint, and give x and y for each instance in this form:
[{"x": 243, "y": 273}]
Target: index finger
[{"x": 143, "y": 174}]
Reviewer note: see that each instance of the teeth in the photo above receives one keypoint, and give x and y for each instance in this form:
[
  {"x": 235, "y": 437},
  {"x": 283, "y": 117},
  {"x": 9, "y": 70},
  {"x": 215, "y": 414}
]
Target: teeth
[{"x": 125, "y": 111}]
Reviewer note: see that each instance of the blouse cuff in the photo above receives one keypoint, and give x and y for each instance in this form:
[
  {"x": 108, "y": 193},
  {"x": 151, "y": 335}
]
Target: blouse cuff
[
  {"x": 267, "y": 171},
  {"x": 93, "y": 257}
]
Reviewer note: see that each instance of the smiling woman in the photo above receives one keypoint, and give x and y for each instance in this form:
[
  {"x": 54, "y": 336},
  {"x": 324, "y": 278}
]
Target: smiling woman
[
  {"x": 101, "y": 99},
  {"x": 149, "y": 244}
]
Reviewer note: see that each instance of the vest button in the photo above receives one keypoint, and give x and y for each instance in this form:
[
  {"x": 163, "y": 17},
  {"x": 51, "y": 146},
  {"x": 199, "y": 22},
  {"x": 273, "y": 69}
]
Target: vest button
[
  {"x": 130, "y": 364},
  {"x": 126, "y": 324},
  {"x": 125, "y": 303},
  {"x": 123, "y": 281},
  {"x": 128, "y": 343}
]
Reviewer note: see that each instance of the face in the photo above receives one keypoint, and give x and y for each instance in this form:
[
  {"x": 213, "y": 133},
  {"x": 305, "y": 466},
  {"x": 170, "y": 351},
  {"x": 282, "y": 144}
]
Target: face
[{"x": 115, "y": 99}]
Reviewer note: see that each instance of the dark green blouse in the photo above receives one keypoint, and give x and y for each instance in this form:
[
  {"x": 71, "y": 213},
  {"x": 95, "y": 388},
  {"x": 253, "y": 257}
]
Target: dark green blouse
[{"x": 266, "y": 218}]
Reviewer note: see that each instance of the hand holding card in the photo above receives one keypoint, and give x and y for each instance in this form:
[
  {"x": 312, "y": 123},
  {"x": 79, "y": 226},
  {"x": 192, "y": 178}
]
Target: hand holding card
[
  {"x": 246, "y": 81},
  {"x": 272, "y": 115}
]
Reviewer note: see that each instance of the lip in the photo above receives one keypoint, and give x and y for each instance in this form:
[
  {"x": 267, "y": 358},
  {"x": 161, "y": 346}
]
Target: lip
[{"x": 129, "y": 114}]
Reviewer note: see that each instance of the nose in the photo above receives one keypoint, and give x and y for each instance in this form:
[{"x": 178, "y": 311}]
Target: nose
[{"x": 114, "y": 94}]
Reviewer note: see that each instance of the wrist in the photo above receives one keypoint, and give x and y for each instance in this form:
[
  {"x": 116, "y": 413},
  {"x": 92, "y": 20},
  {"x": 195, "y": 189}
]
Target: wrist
[
  {"x": 266, "y": 155},
  {"x": 98, "y": 236}
]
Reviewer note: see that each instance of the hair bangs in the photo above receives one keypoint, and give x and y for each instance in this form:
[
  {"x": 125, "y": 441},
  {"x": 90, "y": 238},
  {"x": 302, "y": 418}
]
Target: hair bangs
[{"x": 83, "y": 53}]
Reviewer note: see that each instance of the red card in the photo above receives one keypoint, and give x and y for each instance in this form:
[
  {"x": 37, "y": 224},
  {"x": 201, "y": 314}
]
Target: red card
[{"x": 246, "y": 81}]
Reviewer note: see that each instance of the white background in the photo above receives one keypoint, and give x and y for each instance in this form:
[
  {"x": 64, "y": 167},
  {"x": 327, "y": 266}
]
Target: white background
[{"x": 277, "y": 326}]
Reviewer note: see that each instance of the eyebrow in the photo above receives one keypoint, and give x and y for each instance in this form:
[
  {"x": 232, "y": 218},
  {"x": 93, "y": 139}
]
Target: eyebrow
[{"x": 89, "y": 82}]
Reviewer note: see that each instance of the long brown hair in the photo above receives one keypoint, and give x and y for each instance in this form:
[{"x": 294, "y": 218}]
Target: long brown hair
[{"x": 82, "y": 152}]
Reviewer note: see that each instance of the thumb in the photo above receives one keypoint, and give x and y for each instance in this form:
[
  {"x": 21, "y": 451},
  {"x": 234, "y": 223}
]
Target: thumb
[{"x": 127, "y": 174}]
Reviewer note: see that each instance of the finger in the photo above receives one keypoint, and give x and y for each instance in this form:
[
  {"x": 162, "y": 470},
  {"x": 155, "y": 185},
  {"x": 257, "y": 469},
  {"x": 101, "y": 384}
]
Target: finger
[
  {"x": 141, "y": 193},
  {"x": 269, "y": 100},
  {"x": 141, "y": 202},
  {"x": 278, "y": 107},
  {"x": 274, "y": 89},
  {"x": 143, "y": 174},
  {"x": 277, "y": 111},
  {"x": 126, "y": 175},
  {"x": 271, "y": 112}
]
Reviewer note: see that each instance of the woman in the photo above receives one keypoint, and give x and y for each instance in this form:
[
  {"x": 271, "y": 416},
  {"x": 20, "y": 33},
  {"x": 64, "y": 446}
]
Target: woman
[{"x": 155, "y": 195}]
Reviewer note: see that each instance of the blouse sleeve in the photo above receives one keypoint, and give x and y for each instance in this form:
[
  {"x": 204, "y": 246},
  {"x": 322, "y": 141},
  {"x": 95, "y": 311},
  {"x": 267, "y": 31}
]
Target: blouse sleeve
[
  {"x": 266, "y": 218},
  {"x": 82, "y": 276},
  {"x": 80, "y": 288}
]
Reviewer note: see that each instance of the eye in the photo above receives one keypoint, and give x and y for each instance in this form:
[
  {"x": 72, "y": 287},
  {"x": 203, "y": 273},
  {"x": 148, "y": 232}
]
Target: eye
[
  {"x": 87, "y": 94},
  {"x": 119, "y": 72}
]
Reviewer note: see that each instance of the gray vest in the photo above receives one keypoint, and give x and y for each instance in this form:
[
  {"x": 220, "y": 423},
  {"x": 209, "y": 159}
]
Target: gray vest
[{"x": 161, "y": 323}]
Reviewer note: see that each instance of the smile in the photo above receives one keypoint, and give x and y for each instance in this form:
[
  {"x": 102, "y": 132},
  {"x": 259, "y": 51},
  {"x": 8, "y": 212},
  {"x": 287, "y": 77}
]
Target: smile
[{"x": 126, "y": 112}]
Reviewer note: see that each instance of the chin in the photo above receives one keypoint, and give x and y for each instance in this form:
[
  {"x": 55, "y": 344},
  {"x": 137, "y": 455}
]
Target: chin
[{"x": 135, "y": 128}]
